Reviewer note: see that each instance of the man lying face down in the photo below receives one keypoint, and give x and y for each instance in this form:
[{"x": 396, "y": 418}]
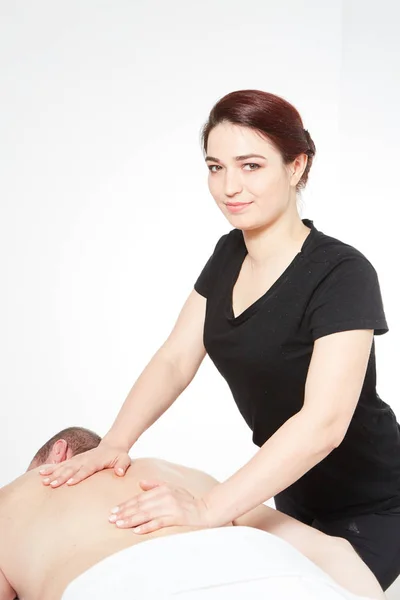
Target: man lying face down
[{"x": 49, "y": 537}]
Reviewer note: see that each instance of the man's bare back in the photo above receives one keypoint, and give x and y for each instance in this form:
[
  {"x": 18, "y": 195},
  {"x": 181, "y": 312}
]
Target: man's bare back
[{"x": 50, "y": 536}]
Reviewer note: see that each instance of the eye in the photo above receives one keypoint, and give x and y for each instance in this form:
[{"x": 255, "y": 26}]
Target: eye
[
  {"x": 210, "y": 167},
  {"x": 252, "y": 164}
]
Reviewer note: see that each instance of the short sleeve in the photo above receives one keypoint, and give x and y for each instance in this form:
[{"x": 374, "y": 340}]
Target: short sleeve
[
  {"x": 203, "y": 282},
  {"x": 349, "y": 297}
]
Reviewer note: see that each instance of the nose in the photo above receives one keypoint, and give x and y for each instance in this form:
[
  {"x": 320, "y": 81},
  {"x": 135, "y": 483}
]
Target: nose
[{"x": 233, "y": 183}]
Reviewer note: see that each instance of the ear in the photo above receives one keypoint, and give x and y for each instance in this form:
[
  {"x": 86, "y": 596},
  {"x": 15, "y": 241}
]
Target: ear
[
  {"x": 297, "y": 168},
  {"x": 59, "y": 452}
]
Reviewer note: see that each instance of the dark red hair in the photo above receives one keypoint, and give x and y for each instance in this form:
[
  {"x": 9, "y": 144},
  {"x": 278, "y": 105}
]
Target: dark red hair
[{"x": 271, "y": 116}]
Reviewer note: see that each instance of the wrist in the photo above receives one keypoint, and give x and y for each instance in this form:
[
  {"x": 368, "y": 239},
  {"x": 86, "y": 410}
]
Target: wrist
[
  {"x": 112, "y": 439},
  {"x": 211, "y": 518}
]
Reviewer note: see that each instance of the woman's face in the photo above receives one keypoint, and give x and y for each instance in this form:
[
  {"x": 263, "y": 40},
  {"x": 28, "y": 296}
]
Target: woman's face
[{"x": 251, "y": 192}]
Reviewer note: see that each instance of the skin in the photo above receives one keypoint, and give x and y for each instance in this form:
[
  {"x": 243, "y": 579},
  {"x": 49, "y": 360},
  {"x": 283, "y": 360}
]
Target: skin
[
  {"x": 41, "y": 553},
  {"x": 271, "y": 225}
]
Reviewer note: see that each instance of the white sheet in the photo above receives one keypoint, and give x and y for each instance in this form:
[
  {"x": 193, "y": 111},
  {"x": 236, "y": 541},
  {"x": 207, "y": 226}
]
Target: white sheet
[{"x": 227, "y": 563}]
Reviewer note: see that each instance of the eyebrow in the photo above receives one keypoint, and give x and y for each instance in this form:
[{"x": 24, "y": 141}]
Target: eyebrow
[{"x": 241, "y": 157}]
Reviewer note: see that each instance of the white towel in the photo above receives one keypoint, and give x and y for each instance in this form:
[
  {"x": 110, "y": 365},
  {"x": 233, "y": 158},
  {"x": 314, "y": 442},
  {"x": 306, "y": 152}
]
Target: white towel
[{"x": 226, "y": 563}]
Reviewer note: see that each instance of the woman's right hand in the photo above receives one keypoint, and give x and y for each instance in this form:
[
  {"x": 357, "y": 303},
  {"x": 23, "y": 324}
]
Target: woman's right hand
[{"x": 81, "y": 466}]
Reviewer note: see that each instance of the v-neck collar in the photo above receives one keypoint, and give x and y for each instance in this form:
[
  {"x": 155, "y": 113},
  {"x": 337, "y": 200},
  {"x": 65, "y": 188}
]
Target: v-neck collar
[{"x": 250, "y": 310}]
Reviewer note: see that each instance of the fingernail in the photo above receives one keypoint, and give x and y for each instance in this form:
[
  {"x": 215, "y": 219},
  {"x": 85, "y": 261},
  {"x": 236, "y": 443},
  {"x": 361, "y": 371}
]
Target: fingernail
[
  {"x": 119, "y": 523},
  {"x": 137, "y": 530},
  {"x": 112, "y": 519},
  {"x": 54, "y": 482},
  {"x": 70, "y": 481},
  {"x": 43, "y": 471},
  {"x": 46, "y": 480},
  {"x": 115, "y": 509},
  {"x": 120, "y": 470}
]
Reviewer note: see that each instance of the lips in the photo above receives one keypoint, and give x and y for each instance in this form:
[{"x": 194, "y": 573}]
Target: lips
[{"x": 235, "y": 207}]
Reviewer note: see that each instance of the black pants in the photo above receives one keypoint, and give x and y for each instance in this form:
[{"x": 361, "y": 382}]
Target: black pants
[{"x": 375, "y": 537}]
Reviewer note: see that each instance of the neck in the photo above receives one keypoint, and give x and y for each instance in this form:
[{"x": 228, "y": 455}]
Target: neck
[{"x": 280, "y": 238}]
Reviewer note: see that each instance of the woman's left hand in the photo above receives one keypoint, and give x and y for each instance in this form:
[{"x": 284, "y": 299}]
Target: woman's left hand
[{"x": 160, "y": 505}]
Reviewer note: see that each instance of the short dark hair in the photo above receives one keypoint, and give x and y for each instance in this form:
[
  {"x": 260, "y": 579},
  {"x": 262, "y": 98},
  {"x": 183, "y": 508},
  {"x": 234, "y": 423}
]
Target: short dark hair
[{"x": 78, "y": 439}]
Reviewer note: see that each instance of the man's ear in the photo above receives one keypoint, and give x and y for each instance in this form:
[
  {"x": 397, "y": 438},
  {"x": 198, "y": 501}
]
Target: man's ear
[{"x": 59, "y": 452}]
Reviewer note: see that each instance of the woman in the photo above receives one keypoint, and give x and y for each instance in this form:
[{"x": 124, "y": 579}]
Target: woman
[{"x": 288, "y": 315}]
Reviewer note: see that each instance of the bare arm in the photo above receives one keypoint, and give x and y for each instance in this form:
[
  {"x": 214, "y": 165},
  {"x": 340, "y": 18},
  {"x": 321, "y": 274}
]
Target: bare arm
[
  {"x": 168, "y": 373},
  {"x": 334, "y": 382},
  {"x": 332, "y": 554}
]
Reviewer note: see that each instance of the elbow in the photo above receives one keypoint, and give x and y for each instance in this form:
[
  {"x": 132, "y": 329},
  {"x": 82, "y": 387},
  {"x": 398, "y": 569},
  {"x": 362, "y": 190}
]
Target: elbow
[
  {"x": 334, "y": 435},
  {"x": 325, "y": 435}
]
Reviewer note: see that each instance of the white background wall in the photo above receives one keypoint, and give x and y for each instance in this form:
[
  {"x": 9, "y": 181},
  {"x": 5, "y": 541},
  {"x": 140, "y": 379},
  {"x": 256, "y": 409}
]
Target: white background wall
[{"x": 106, "y": 218}]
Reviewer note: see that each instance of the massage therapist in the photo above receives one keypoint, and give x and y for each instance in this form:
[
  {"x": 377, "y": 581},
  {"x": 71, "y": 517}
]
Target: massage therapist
[{"x": 288, "y": 315}]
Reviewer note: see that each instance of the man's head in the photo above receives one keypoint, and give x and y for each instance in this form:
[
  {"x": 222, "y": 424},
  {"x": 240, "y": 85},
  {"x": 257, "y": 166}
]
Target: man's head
[{"x": 64, "y": 445}]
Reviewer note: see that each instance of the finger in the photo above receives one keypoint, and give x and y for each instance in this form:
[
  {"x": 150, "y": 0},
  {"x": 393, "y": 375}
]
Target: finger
[
  {"x": 143, "y": 524},
  {"x": 153, "y": 525},
  {"x": 151, "y": 508},
  {"x": 149, "y": 484},
  {"x": 133, "y": 502},
  {"x": 59, "y": 476},
  {"x": 47, "y": 469},
  {"x": 133, "y": 521},
  {"x": 69, "y": 474},
  {"x": 122, "y": 465},
  {"x": 81, "y": 474}
]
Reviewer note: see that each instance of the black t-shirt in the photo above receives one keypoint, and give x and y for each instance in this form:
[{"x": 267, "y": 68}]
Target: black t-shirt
[{"x": 264, "y": 354}]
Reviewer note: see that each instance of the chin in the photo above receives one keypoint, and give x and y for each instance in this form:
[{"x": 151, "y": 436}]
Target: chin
[{"x": 242, "y": 222}]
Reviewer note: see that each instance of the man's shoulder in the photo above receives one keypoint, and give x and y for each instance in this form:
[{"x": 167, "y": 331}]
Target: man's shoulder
[
  {"x": 13, "y": 492},
  {"x": 5, "y": 492},
  {"x": 13, "y": 485},
  {"x": 6, "y": 499},
  {"x": 6, "y": 591}
]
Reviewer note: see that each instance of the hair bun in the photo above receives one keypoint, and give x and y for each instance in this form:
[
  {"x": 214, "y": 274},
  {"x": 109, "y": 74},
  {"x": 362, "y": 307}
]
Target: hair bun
[{"x": 311, "y": 145}]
